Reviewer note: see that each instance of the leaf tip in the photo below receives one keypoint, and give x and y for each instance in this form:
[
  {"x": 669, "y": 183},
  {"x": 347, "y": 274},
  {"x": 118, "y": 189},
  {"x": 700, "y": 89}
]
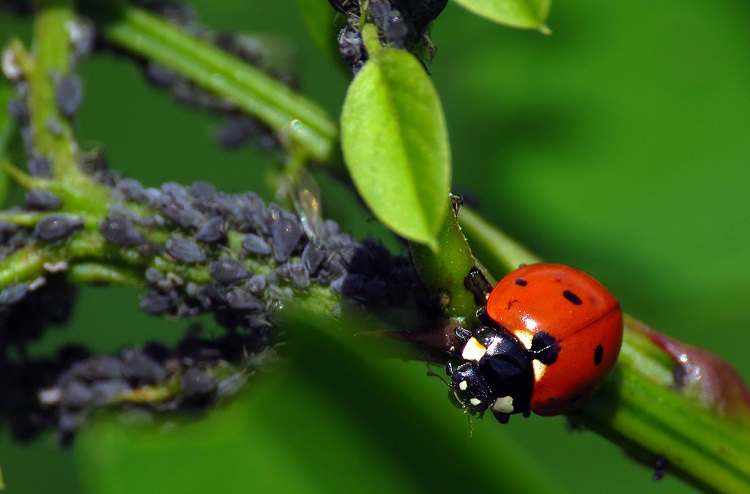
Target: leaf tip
[{"x": 545, "y": 30}]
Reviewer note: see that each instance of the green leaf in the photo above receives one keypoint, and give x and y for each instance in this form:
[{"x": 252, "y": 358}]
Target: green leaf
[
  {"x": 528, "y": 14},
  {"x": 395, "y": 144}
]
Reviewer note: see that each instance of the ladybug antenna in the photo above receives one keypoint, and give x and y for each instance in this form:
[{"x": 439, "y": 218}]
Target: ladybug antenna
[{"x": 434, "y": 374}]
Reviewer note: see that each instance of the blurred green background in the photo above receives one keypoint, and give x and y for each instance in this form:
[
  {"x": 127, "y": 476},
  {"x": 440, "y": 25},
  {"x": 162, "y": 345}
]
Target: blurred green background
[{"x": 618, "y": 145}]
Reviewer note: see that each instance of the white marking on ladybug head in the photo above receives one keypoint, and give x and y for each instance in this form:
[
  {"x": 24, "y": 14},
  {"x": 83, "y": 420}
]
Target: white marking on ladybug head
[
  {"x": 524, "y": 337},
  {"x": 475, "y": 402},
  {"x": 463, "y": 385},
  {"x": 473, "y": 350},
  {"x": 539, "y": 370},
  {"x": 503, "y": 404}
]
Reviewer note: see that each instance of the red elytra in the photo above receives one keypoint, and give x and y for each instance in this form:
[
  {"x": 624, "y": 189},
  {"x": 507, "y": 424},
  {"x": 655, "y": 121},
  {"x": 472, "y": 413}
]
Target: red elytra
[{"x": 583, "y": 317}]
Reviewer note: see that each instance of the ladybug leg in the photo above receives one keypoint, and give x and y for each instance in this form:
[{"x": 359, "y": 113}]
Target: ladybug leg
[
  {"x": 478, "y": 285},
  {"x": 462, "y": 334},
  {"x": 544, "y": 348},
  {"x": 501, "y": 417}
]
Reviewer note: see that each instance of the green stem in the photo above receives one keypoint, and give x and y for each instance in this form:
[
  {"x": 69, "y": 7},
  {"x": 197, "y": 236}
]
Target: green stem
[
  {"x": 444, "y": 270},
  {"x": 51, "y": 59},
  {"x": 293, "y": 117},
  {"x": 94, "y": 273}
]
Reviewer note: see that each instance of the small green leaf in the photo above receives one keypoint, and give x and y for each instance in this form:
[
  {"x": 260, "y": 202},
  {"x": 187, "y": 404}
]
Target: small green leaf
[
  {"x": 395, "y": 144},
  {"x": 529, "y": 14}
]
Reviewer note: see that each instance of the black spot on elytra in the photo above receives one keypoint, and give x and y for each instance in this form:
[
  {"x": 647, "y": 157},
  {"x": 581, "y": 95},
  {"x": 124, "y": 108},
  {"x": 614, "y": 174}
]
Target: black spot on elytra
[
  {"x": 544, "y": 348},
  {"x": 521, "y": 282},
  {"x": 598, "y": 354},
  {"x": 572, "y": 297}
]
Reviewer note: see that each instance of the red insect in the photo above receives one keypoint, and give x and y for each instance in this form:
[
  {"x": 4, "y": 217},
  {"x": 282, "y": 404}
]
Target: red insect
[{"x": 550, "y": 335}]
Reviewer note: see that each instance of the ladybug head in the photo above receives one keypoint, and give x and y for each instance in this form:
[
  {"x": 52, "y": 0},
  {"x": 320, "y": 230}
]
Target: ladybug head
[
  {"x": 496, "y": 374},
  {"x": 469, "y": 391}
]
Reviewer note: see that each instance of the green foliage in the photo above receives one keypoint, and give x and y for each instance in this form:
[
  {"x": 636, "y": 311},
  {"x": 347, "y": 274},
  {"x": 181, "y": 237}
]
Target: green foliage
[
  {"x": 530, "y": 14},
  {"x": 396, "y": 145}
]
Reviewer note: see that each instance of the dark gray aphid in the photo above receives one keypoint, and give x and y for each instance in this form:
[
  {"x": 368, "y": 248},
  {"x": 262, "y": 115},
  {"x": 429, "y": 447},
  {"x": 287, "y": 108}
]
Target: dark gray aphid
[
  {"x": 176, "y": 203},
  {"x": 142, "y": 368},
  {"x": 97, "y": 368},
  {"x": 313, "y": 257},
  {"x": 352, "y": 47},
  {"x": 19, "y": 111},
  {"x": 255, "y": 244},
  {"x": 68, "y": 95},
  {"x": 39, "y": 166},
  {"x": 13, "y": 294},
  {"x": 212, "y": 231},
  {"x": 236, "y": 131},
  {"x": 204, "y": 195},
  {"x": 160, "y": 76},
  {"x": 42, "y": 200},
  {"x": 54, "y": 126},
  {"x": 197, "y": 382},
  {"x": 256, "y": 284},
  {"x": 185, "y": 250},
  {"x": 299, "y": 275},
  {"x": 149, "y": 248},
  {"x": 75, "y": 394},
  {"x": 156, "y": 304},
  {"x": 120, "y": 230},
  {"x": 227, "y": 270},
  {"x": 131, "y": 189},
  {"x": 56, "y": 227},
  {"x": 239, "y": 299},
  {"x": 286, "y": 233}
]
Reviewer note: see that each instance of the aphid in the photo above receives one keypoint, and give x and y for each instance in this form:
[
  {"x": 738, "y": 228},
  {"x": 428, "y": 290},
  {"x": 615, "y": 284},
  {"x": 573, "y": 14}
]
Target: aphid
[
  {"x": 255, "y": 244},
  {"x": 19, "y": 111},
  {"x": 131, "y": 189},
  {"x": 256, "y": 284},
  {"x": 185, "y": 250},
  {"x": 227, "y": 270},
  {"x": 57, "y": 227},
  {"x": 13, "y": 293},
  {"x": 299, "y": 275},
  {"x": 142, "y": 368},
  {"x": 196, "y": 382},
  {"x": 286, "y": 232},
  {"x": 42, "y": 200},
  {"x": 212, "y": 231},
  {"x": 68, "y": 95},
  {"x": 39, "y": 166},
  {"x": 239, "y": 299},
  {"x": 156, "y": 304},
  {"x": 120, "y": 230}
]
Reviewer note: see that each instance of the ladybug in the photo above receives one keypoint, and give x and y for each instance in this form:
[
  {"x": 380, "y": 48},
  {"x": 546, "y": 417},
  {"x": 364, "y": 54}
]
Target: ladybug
[{"x": 550, "y": 335}]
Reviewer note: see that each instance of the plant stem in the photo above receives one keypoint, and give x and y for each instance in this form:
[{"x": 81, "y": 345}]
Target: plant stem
[
  {"x": 295, "y": 119},
  {"x": 444, "y": 270}
]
